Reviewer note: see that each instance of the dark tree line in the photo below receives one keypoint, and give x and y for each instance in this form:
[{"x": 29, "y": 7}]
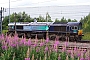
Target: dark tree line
[{"x": 64, "y": 20}]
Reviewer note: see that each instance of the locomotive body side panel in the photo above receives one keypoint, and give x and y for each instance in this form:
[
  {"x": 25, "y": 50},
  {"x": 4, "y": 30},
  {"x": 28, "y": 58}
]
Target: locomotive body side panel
[{"x": 35, "y": 28}]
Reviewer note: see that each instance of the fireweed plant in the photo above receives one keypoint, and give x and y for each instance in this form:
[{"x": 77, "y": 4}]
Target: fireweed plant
[{"x": 15, "y": 48}]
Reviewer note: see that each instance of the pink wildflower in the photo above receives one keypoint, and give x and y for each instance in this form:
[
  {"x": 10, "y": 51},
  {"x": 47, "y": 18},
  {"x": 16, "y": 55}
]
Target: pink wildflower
[
  {"x": 84, "y": 51},
  {"x": 27, "y": 58},
  {"x": 68, "y": 51},
  {"x": 72, "y": 54},
  {"x": 2, "y": 36},
  {"x": 57, "y": 42},
  {"x": 35, "y": 45},
  {"x": 16, "y": 37},
  {"x": 64, "y": 48},
  {"x": 46, "y": 49},
  {"x": 56, "y": 50},
  {"x": 79, "y": 54},
  {"x": 81, "y": 58},
  {"x": 29, "y": 42},
  {"x": 89, "y": 58},
  {"x": 75, "y": 49},
  {"x": 36, "y": 40},
  {"x": 4, "y": 47},
  {"x": 41, "y": 44},
  {"x": 13, "y": 45},
  {"x": 55, "y": 46},
  {"x": 66, "y": 43},
  {"x": 47, "y": 40},
  {"x": 37, "y": 49},
  {"x": 22, "y": 42}
]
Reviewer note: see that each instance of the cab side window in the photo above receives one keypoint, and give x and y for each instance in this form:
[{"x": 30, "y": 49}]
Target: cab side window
[{"x": 11, "y": 27}]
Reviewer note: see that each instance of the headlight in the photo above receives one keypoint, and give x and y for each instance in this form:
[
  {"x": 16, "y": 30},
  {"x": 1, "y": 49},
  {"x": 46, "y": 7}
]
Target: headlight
[{"x": 79, "y": 32}]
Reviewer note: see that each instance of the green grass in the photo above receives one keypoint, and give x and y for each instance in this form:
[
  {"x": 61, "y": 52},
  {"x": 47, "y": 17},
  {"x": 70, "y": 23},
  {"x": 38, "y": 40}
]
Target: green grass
[
  {"x": 4, "y": 31},
  {"x": 86, "y": 36}
]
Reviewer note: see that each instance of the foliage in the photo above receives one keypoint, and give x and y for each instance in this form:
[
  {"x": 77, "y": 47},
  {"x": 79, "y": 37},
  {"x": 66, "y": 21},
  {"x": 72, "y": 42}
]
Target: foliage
[
  {"x": 86, "y": 23},
  {"x": 48, "y": 17},
  {"x": 13, "y": 48},
  {"x": 64, "y": 20},
  {"x": 5, "y": 23},
  {"x": 4, "y": 31},
  {"x": 86, "y": 36},
  {"x": 57, "y": 20}
]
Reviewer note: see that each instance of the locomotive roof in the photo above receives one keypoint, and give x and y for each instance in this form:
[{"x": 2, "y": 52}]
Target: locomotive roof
[
  {"x": 46, "y": 23},
  {"x": 73, "y": 23},
  {"x": 32, "y": 23},
  {"x": 18, "y": 23},
  {"x": 60, "y": 23},
  {"x": 41, "y": 23}
]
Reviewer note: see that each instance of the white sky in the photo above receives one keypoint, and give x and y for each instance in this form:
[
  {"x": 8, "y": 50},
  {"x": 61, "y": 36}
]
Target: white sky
[{"x": 37, "y": 3}]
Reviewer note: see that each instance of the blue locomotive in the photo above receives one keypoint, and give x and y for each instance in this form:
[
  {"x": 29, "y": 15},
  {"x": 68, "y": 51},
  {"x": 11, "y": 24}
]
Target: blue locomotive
[{"x": 73, "y": 30}]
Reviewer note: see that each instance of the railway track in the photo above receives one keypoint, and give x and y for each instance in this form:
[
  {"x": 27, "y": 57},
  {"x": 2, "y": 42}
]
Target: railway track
[
  {"x": 83, "y": 44},
  {"x": 69, "y": 45},
  {"x": 79, "y": 41},
  {"x": 84, "y": 41},
  {"x": 79, "y": 44}
]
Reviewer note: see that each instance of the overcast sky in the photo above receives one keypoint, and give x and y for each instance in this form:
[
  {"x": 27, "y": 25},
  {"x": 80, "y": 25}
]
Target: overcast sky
[{"x": 38, "y": 3}]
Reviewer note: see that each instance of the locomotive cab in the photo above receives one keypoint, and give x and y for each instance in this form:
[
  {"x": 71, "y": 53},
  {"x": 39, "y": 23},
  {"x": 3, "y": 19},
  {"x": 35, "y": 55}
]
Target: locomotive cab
[{"x": 76, "y": 30}]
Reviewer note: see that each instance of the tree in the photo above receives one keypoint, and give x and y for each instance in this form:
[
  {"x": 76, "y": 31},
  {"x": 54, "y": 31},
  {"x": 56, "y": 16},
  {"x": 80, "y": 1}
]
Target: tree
[
  {"x": 86, "y": 23},
  {"x": 41, "y": 19},
  {"x": 5, "y": 23},
  {"x": 69, "y": 20},
  {"x": 48, "y": 17},
  {"x": 63, "y": 19},
  {"x": 56, "y": 20},
  {"x": 74, "y": 20},
  {"x": 20, "y": 17}
]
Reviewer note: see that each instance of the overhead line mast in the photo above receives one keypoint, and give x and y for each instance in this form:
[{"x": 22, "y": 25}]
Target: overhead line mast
[{"x": 9, "y": 11}]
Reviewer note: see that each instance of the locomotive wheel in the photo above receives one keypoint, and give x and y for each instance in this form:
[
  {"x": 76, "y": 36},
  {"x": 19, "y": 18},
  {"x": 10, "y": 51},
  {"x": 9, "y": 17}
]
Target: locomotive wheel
[
  {"x": 28, "y": 35},
  {"x": 40, "y": 36},
  {"x": 79, "y": 38},
  {"x": 76, "y": 39},
  {"x": 52, "y": 37}
]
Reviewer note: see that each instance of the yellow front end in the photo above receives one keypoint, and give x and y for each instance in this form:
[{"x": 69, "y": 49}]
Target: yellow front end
[{"x": 80, "y": 32}]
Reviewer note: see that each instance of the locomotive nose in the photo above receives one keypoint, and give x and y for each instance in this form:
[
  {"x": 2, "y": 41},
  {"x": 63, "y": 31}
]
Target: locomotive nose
[{"x": 79, "y": 32}]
